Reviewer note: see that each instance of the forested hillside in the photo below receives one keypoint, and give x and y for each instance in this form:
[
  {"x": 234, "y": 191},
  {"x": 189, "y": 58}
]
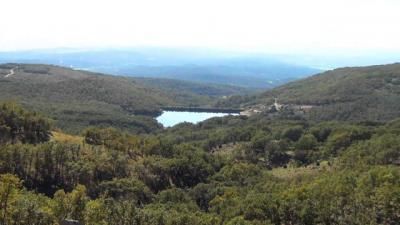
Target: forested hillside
[
  {"x": 195, "y": 88},
  {"x": 232, "y": 170},
  {"x": 355, "y": 94},
  {"x": 75, "y": 99}
]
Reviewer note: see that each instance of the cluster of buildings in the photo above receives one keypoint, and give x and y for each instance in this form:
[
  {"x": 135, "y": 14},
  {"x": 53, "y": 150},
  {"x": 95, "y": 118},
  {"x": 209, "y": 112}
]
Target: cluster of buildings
[{"x": 275, "y": 107}]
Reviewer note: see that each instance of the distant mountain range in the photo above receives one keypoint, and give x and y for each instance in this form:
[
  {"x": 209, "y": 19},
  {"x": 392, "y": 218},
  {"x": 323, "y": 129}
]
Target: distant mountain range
[{"x": 245, "y": 70}]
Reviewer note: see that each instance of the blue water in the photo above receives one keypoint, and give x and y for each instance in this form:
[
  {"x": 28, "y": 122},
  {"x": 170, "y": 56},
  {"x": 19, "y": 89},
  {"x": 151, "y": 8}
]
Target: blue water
[{"x": 171, "y": 118}]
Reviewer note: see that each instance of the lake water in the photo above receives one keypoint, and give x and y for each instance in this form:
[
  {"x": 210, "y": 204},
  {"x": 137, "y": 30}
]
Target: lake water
[{"x": 171, "y": 118}]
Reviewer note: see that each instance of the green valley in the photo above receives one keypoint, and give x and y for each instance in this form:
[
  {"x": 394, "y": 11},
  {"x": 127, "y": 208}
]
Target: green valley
[
  {"x": 277, "y": 166},
  {"x": 75, "y": 99}
]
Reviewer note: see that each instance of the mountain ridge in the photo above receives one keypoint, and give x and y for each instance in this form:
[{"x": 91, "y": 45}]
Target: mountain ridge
[
  {"x": 351, "y": 93},
  {"x": 240, "y": 69}
]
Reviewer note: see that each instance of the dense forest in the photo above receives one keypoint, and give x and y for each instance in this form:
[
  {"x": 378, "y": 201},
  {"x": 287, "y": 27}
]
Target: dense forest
[
  {"x": 345, "y": 94},
  {"x": 75, "y": 99},
  {"x": 233, "y": 170},
  {"x": 70, "y": 154}
]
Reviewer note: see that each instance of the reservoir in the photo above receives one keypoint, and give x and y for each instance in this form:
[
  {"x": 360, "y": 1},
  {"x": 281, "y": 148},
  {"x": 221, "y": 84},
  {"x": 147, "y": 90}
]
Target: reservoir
[{"x": 171, "y": 118}]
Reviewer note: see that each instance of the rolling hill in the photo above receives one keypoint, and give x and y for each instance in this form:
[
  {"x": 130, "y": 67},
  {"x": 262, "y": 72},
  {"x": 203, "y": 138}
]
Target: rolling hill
[
  {"x": 183, "y": 89},
  {"x": 76, "y": 99},
  {"x": 353, "y": 93}
]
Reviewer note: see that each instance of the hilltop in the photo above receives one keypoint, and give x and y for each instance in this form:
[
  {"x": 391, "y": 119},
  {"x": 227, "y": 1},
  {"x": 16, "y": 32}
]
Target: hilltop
[{"x": 352, "y": 93}]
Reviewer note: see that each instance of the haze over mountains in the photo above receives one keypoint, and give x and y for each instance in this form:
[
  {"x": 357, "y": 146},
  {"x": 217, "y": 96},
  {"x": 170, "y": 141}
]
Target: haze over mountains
[{"x": 230, "y": 68}]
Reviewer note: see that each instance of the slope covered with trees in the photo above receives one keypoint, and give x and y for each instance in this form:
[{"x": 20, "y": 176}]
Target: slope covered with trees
[
  {"x": 75, "y": 99},
  {"x": 18, "y": 125},
  {"x": 356, "y": 94},
  {"x": 234, "y": 170},
  {"x": 197, "y": 92}
]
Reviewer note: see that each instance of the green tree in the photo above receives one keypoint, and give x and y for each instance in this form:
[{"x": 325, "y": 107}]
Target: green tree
[
  {"x": 71, "y": 205},
  {"x": 9, "y": 192},
  {"x": 293, "y": 133},
  {"x": 18, "y": 125},
  {"x": 96, "y": 212}
]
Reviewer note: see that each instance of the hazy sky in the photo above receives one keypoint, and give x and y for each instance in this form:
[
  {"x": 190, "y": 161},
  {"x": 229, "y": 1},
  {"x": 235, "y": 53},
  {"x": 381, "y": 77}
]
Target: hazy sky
[{"x": 309, "y": 26}]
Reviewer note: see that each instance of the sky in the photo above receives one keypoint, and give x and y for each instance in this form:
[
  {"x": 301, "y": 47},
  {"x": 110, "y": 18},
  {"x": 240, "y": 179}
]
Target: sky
[{"x": 274, "y": 26}]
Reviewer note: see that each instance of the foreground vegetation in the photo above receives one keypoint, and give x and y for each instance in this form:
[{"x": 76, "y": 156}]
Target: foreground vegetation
[{"x": 230, "y": 171}]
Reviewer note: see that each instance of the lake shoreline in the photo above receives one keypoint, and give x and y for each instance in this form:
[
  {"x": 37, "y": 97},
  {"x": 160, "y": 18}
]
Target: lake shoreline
[{"x": 172, "y": 118}]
